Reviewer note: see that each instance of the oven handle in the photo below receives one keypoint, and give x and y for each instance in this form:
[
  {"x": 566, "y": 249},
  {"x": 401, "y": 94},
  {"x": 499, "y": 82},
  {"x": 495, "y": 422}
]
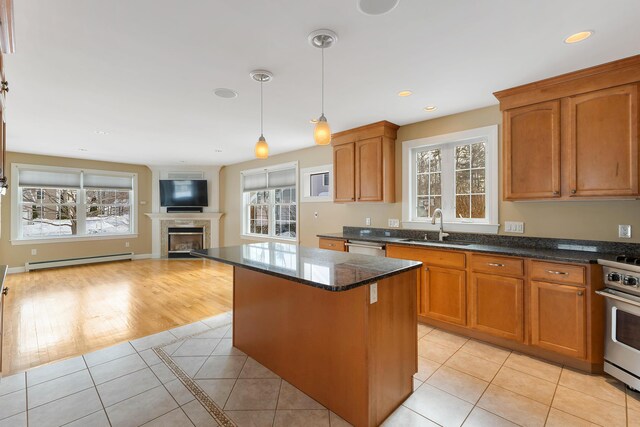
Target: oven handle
[
  {"x": 364, "y": 245},
  {"x": 608, "y": 294}
]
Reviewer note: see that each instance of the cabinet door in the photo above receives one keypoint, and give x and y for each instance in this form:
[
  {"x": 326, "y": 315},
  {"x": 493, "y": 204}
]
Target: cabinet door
[
  {"x": 369, "y": 170},
  {"x": 3, "y": 147},
  {"x": 558, "y": 316},
  {"x": 344, "y": 172},
  {"x": 445, "y": 294},
  {"x": 497, "y": 305},
  {"x": 602, "y": 134},
  {"x": 332, "y": 244},
  {"x": 532, "y": 152}
]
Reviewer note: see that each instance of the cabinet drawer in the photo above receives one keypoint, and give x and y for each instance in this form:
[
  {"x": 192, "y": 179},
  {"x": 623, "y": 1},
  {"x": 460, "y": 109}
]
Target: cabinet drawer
[
  {"x": 503, "y": 266},
  {"x": 332, "y": 244},
  {"x": 555, "y": 272},
  {"x": 428, "y": 256}
]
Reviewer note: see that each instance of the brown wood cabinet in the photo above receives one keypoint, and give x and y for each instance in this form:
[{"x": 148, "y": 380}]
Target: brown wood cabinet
[
  {"x": 496, "y": 300},
  {"x": 545, "y": 308},
  {"x": 558, "y": 318},
  {"x": 364, "y": 164},
  {"x": 532, "y": 151},
  {"x": 573, "y": 136},
  {"x": 445, "y": 294},
  {"x": 602, "y": 132},
  {"x": 333, "y": 244}
]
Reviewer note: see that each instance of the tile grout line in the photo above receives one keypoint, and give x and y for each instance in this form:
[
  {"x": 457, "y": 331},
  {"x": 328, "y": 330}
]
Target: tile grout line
[
  {"x": 96, "y": 389},
  {"x": 275, "y": 412}
]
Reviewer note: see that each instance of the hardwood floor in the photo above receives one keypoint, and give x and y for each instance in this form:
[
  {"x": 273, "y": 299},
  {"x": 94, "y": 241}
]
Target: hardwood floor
[{"x": 60, "y": 313}]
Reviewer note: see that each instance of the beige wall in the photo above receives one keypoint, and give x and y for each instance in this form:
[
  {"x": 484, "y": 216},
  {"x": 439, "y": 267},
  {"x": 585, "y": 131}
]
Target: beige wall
[
  {"x": 17, "y": 255},
  {"x": 592, "y": 220}
]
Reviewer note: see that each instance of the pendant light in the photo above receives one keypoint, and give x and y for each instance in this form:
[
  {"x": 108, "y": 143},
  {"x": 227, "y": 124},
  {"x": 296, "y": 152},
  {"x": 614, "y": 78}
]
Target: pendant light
[
  {"x": 322, "y": 39},
  {"x": 262, "y": 148}
]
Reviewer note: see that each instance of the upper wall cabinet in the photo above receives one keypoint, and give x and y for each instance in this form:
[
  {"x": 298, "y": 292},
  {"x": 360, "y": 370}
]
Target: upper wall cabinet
[
  {"x": 364, "y": 163},
  {"x": 573, "y": 136}
]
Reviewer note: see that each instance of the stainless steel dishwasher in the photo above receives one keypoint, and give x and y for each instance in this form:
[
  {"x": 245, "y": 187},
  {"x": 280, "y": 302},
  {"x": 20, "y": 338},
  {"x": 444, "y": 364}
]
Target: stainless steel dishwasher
[{"x": 366, "y": 248}]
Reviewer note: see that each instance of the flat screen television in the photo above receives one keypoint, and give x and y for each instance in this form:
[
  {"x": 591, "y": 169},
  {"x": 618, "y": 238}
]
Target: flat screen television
[{"x": 186, "y": 193}]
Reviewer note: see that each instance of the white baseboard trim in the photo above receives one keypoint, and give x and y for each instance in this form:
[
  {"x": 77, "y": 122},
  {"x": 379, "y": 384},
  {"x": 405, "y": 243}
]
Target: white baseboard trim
[
  {"x": 142, "y": 256},
  {"x": 14, "y": 270}
]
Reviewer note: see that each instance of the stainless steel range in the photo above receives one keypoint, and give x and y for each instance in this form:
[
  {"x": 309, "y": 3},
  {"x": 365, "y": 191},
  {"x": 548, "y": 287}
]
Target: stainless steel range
[{"x": 622, "y": 334}]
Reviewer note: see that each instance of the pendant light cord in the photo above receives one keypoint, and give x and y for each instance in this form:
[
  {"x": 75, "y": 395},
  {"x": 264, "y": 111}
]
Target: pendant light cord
[
  {"x": 261, "y": 108},
  {"x": 322, "y": 97}
]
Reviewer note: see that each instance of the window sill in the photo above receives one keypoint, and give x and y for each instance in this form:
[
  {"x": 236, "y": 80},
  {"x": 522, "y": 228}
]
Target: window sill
[
  {"x": 72, "y": 239},
  {"x": 269, "y": 239},
  {"x": 462, "y": 227}
]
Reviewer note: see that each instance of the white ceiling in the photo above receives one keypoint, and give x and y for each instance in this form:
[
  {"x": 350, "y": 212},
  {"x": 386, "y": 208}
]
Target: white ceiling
[{"x": 145, "y": 70}]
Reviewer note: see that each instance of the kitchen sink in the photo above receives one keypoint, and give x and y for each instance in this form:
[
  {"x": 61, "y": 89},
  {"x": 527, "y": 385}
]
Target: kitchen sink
[{"x": 436, "y": 242}]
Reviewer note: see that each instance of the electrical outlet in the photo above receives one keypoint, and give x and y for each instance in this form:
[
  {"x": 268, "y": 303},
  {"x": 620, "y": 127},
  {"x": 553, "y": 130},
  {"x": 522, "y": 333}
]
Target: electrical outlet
[
  {"x": 126, "y": 244},
  {"x": 373, "y": 293},
  {"x": 367, "y": 221},
  {"x": 394, "y": 222},
  {"x": 34, "y": 252},
  {"x": 624, "y": 231},
  {"x": 514, "y": 227}
]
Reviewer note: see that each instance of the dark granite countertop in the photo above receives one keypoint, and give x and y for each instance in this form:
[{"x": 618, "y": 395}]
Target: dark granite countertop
[
  {"x": 330, "y": 270},
  {"x": 565, "y": 251}
]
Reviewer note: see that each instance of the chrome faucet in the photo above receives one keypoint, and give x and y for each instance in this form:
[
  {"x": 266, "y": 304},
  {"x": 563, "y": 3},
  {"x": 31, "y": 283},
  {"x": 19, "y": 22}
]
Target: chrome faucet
[{"x": 441, "y": 234}]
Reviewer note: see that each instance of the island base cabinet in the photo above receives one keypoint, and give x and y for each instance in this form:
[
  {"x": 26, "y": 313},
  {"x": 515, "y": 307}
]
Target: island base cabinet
[
  {"x": 355, "y": 358},
  {"x": 497, "y": 305},
  {"x": 444, "y": 294},
  {"x": 558, "y": 318}
]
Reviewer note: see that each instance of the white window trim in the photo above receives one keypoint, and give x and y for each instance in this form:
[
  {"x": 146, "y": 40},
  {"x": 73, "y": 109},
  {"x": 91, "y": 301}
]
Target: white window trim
[
  {"x": 306, "y": 188},
  {"x": 491, "y": 225},
  {"x": 261, "y": 237},
  {"x": 16, "y": 239}
]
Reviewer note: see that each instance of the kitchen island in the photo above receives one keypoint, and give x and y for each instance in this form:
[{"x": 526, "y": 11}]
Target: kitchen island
[{"x": 340, "y": 327}]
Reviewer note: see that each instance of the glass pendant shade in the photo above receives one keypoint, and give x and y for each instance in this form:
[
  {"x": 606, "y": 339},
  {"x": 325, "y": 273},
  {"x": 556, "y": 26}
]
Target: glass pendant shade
[
  {"x": 322, "y": 132},
  {"x": 262, "y": 148}
]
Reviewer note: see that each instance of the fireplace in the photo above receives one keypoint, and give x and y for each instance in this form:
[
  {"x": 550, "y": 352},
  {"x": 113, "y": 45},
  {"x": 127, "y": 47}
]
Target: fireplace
[{"x": 182, "y": 240}]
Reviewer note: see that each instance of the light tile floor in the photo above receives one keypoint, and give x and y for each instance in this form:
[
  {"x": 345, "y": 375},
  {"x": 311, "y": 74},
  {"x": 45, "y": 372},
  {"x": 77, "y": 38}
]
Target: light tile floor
[{"x": 459, "y": 382}]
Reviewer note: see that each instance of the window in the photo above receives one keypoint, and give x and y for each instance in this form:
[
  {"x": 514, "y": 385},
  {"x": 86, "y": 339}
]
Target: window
[
  {"x": 317, "y": 184},
  {"x": 456, "y": 173},
  {"x": 66, "y": 203},
  {"x": 270, "y": 207}
]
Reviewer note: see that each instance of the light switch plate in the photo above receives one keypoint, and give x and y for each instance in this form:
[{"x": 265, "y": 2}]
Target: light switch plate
[
  {"x": 367, "y": 221},
  {"x": 514, "y": 227},
  {"x": 624, "y": 231},
  {"x": 34, "y": 252},
  {"x": 373, "y": 293},
  {"x": 394, "y": 222}
]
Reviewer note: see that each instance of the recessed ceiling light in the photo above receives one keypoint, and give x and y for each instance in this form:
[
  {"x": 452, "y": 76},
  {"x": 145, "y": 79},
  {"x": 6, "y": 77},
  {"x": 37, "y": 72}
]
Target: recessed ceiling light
[
  {"x": 430, "y": 108},
  {"x": 217, "y": 150},
  {"x": 313, "y": 121},
  {"x": 578, "y": 37},
  {"x": 102, "y": 132},
  {"x": 377, "y": 7},
  {"x": 82, "y": 149},
  {"x": 405, "y": 93},
  {"x": 223, "y": 92}
]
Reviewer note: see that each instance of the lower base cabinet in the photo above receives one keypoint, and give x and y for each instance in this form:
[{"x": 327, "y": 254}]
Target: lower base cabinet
[
  {"x": 444, "y": 294},
  {"x": 497, "y": 305},
  {"x": 558, "y": 318}
]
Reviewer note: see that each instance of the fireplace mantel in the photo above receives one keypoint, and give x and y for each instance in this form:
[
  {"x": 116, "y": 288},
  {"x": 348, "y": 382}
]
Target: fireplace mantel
[
  {"x": 185, "y": 215},
  {"x": 160, "y": 221}
]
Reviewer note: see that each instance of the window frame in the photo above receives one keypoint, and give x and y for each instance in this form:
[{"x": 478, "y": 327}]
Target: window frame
[
  {"x": 305, "y": 175},
  {"x": 244, "y": 199},
  {"x": 447, "y": 143},
  {"x": 16, "y": 204}
]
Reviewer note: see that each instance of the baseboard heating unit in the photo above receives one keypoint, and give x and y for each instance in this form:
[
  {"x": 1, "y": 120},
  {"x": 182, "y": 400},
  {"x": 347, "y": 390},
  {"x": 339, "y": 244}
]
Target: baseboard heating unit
[{"x": 77, "y": 261}]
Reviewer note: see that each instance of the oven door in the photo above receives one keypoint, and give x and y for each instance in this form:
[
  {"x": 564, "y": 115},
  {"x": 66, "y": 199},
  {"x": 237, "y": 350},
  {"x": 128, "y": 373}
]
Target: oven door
[{"x": 622, "y": 337}]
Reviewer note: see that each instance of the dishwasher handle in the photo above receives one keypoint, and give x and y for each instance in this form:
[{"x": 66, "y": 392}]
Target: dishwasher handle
[{"x": 364, "y": 245}]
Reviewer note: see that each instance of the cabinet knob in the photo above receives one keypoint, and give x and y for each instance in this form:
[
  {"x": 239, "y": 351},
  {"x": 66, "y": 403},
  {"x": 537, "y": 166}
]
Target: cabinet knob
[
  {"x": 495, "y": 264},
  {"x": 574, "y": 191},
  {"x": 5, "y": 291},
  {"x": 426, "y": 269},
  {"x": 580, "y": 293},
  {"x": 562, "y": 273},
  {"x": 556, "y": 193}
]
